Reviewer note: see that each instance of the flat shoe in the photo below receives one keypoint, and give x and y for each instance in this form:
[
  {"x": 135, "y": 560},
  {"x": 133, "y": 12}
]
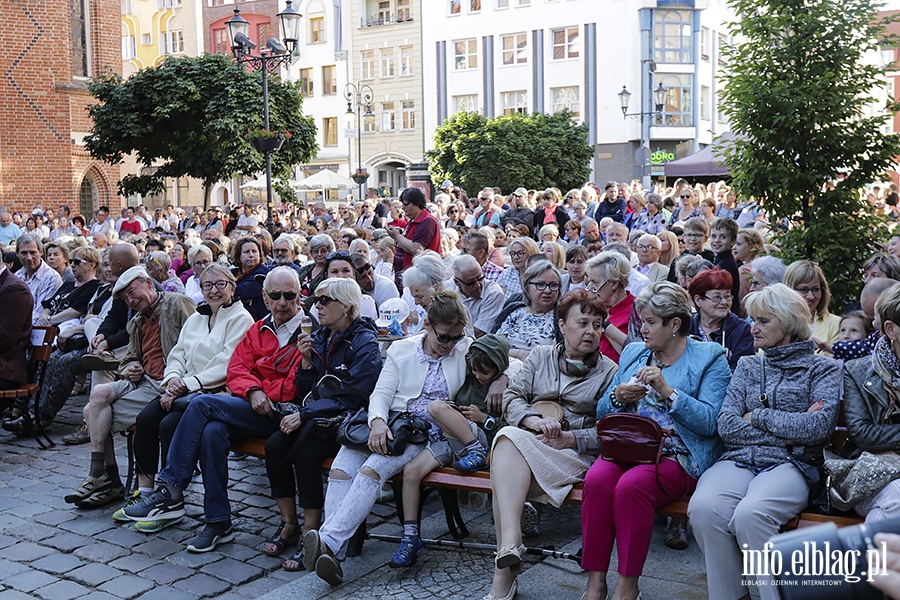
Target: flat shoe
[
  {"x": 312, "y": 550},
  {"x": 329, "y": 570},
  {"x": 508, "y": 558},
  {"x": 281, "y": 543},
  {"x": 676, "y": 537},
  {"x": 512, "y": 593}
]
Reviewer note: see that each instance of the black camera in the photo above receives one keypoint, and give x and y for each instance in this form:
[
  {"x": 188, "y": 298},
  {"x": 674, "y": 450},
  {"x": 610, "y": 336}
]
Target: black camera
[{"x": 824, "y": 562}]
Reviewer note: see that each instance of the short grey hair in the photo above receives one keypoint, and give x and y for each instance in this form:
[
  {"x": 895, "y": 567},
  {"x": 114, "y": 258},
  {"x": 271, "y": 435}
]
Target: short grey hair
[
  {"x": 535, "y": 271},
  {"x": 292, "y": 239},
  {"x": 618, "y": 226},
  {"x": 651, "y": 240},
  {"x": 619, "y": 247},
  {"x": 667, "y": 301},
  {"x": 321, "y": 239},
  {"x": 160, "y": 260},
  {"x": 769, "y": 268},
  {"x": 787, "y": 306},
  {"x": 284, "y": 270},
  {"x": 615, "y": 266},
  {"x": 198, "y": 250},
  {"x": 465, "y": 262},
  {"x": 691, "y": 265},
  {"x": 345, "y": 291},
  {"x": 30, "y": 238}
]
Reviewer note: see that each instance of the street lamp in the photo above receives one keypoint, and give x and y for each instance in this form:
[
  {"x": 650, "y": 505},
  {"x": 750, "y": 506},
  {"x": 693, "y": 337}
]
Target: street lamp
[
  {"x": 275, "y": 54},
  {"x": 659, "y": 96},
  {"x": 357, "y": 96}
]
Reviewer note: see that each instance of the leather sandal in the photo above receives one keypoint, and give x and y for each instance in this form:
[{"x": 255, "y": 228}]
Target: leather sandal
[
  {"x": 507, "y": 558},
  {"x": 295, "y": 562},
  {"x": 281, "y": 543}
]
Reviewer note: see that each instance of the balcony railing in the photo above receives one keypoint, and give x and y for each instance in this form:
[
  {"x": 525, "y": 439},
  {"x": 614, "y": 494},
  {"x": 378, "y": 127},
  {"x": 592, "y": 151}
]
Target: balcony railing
[{"x": 386, "y": 18}]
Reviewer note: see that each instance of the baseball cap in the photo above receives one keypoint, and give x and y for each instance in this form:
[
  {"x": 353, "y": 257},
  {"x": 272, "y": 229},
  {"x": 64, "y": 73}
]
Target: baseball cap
[
  {"x": 447, "y": 184},
  {"x": 520, "y": 192},
  {"x": 394, "y": 309}
]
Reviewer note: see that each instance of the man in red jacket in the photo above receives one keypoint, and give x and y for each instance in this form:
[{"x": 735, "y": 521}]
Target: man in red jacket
[
  {"x": 260, "y": 376},
  {"x": 423, "y": 232}
]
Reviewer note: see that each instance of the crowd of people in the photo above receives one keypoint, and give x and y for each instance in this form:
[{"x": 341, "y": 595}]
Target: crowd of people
[{"x": 505, "y": 327}]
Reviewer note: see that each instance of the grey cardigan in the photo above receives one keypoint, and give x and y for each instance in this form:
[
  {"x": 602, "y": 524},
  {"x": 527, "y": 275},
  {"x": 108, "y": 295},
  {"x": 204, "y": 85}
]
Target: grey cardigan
[{"x": 794, "y": 378}]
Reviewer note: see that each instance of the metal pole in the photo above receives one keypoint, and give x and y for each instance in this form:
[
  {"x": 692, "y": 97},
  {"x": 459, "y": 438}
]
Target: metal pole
[
  {"x": 359, "y": 126},
  {"x": 270, "y": 222}
]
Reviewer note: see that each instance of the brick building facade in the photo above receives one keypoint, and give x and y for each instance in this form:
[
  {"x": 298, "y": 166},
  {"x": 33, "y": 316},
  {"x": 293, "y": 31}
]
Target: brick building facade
[{"x": 55, "y": 47}]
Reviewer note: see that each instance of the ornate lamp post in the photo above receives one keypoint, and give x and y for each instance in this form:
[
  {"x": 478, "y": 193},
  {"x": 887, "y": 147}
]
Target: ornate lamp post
[
  {"x": 275, "y": 54},
  {"x": 659, "y": 96},
  {"x": 357, "y": 96}
]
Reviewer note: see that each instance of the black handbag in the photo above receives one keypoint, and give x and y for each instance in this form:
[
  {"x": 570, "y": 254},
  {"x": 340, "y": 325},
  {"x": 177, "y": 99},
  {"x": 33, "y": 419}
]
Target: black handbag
[{"x": 406, "y": 428}]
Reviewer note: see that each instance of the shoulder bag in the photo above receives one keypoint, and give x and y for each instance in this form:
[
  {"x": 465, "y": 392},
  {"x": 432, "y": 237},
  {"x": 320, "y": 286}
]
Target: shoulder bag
[{"x": 406, "y": 428}]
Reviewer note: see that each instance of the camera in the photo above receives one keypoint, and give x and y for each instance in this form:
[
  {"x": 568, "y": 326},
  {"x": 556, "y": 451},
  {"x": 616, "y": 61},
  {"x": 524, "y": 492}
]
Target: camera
[{"x": 824, "y": 562}]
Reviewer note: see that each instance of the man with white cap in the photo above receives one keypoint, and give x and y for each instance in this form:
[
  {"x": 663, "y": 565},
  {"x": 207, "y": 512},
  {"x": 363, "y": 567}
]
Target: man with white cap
[
  {"x": 483, "y": 299},
  {"x": 153, "y": 332}
]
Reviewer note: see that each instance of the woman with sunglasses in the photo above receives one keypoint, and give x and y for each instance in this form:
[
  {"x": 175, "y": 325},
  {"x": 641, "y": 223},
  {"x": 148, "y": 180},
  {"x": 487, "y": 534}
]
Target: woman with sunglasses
[
  {"x": 345, "y": 346},
  {"x": 455, "y": 217},
  {"x": 314, "y": 272},
  {"x": 686, "y": 210},
  {"x": 249, "y": 260},
  {"x": 534, "y": 322},
  {"x": 711, "y": 292}
]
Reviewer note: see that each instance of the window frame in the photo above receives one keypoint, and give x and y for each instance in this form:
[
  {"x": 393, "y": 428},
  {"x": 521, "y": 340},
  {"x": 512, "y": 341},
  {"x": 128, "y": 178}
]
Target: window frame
[
  {"x": 677, "y": 111},
  {"x": 332, "y": 130},
  {"x": 470, "y": 55},
  {"x": 407, "y": 115},
  {"x": 326, "y": 89},
  {"x": 406, "y": 61},
  {"x": 567, "y": 44},
  {"x": 509, "y": 109},
  {"x": 316, "y": 35},
  {"x": 518, "y": 54},
  {"x": 307, "y": 85},
  {"x": 367, "y": 65},
  {"x": 386, "y": 59},
  {"x": 556, "y": 105},
  {"x": 664, "y": 23},
  {"x": 388, "y": 116}
]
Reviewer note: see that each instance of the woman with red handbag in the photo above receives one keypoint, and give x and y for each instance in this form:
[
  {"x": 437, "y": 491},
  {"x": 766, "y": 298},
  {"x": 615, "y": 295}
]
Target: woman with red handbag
[{"x": 670, "y": 383}]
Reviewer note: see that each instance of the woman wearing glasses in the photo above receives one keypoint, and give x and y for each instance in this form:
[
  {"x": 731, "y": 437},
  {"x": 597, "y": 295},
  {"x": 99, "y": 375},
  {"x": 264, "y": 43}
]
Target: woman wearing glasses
[
  {"x": 197, "y": 364},
  {"x": 313, "y": 273},
  {"x": 248, "y": 259},
  {"x": 710, "y": 292},
  {"x": 608, "y": 274},
  {"x": 807, "y": 279},
  {"x": 534, "y": 323},
  {"x": 519, "y": 250}
]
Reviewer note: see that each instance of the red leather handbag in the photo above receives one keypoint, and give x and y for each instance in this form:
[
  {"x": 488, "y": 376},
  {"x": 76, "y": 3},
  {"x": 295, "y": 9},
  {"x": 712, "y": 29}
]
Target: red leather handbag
[{"x": 630, "y": 439}]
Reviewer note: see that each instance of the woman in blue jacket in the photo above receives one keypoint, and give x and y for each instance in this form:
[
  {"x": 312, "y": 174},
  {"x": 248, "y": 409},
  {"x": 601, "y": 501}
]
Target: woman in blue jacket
[
  {"x": 249, "y": 260},
  {"x": 679, "y": 383}
]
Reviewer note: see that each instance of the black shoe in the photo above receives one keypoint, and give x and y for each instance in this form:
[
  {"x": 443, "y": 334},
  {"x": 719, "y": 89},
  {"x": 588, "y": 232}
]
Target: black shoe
[
  {"x": 158, "y": 505},
  {"x": 89, "y": 487},
  {"x": 329, "y": 570},
  {"x": 213, "y": 535}
]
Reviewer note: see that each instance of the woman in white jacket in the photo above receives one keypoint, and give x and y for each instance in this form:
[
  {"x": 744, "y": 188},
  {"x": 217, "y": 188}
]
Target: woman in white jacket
[{"x": 197, "y": 364}]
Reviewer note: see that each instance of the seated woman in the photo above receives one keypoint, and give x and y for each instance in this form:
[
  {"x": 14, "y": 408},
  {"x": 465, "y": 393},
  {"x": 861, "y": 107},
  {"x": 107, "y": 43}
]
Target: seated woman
[
  {"x": 199, "y": 257},
  {"x": 533, "y": 324},
  {"x": 197, "y": 364},
  {"x": 159, "y": 267},
  {"x": 779, "y": 411},
  {"x": 575, "y": 277},
  {"x": 679, "y": 383},
  {"x": 346, "y": 347},
  {"x": 714, "y": 321},
  {"x": 544, "y": 467},
  {"x": 519, "y": 251},
  {"x": 608, "y": 274},
  {"x": 807, "y": 279},
  {"x": 421, "y": 282},
  {"x": 249, "y": 260}
]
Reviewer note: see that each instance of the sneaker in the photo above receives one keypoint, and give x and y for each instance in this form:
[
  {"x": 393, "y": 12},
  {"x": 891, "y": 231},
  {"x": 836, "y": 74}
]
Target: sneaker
[
  {"x": 213, "y": 535},
  {"x": 531, "y": 520},
  {"x": 79, "y": 436},
  {"x": 158, "y": 505},
  {"x": 473, "y": 461},
  {"x": 406, "y": 555},
  {"x": 154, "y": 525},
  {"x": 385, "y": 494},
  {"x": 114, "y": 493},
  {"x": 119, "y": 516},
  {"x": 91, "y": 485},
  {"x": 329, "y": 570}
]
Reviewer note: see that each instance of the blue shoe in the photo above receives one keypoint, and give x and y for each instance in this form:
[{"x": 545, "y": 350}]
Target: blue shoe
[
  {"x": 158, "y": 505},
  {"x": 475, "y": 460},
  {"x": 407, "y": 553}
]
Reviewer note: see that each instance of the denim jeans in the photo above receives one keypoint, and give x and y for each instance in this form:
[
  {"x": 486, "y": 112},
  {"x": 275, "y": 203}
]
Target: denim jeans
[{"x": 204, "y": 434}]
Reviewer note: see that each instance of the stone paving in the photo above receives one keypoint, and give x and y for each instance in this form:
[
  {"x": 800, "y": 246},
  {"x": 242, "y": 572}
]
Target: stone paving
[{"x": 50, "y": 550}]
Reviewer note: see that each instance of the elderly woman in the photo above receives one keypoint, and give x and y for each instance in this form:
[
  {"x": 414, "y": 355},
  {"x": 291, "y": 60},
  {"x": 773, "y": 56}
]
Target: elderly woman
[
  {"x": 519, "y": 250},
  {"x": 572, "y": 232},
  {"x": 417, "y": 370},
  {"x": 158, "y": 265},
  {"x": 807, "y": 279},
  {"x": 544, "y": 467},
  {"x": 200, "y": 257},
  {"x": 656, "y": 218},
  {"x": 679, "y": 383},
  {"x": 574, "y": 277},
  {"x": 779, "y": 411},
  {"x": 747, "y": 246},
  {"x": 248, "y": 259},
  {"x": 532, "y": 324},
  {"x": 197, "y": 364},
  {"x": 710, "y": 292},
  {"x": 57, "y": 257},
  {"x": 421, "y": 282},
  {"x": 765, "y": 271},
  {"x": 314, "y": 273},
  {"x": 344, "y": 345},
  {"x": 648, "y": 251},
  {"x": 608, "y": 274}
]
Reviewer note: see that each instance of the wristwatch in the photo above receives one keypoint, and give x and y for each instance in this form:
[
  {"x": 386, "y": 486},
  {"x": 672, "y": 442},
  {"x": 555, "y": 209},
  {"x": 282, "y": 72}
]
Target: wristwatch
[{"x": 490, "y": 425}]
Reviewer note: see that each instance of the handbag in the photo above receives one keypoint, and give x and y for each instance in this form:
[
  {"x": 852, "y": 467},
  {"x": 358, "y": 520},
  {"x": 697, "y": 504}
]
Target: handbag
[
  {"x": 406, "y": 428},
  {"x": 630, "y": 439},
  {"x": 855, "y": 480}
]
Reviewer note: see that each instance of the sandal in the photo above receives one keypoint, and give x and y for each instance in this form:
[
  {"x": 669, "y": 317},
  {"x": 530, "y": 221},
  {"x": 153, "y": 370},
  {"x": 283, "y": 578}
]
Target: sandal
[
  {"x": 509, "y": 558},
  {"x": 277, "y": 544},
  {"x": 295, "y": 562}
]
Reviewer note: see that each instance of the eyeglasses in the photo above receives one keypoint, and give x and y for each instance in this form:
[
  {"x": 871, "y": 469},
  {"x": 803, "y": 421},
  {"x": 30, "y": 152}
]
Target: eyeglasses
[
  {"x": 340, "y": 254},
  {"x": 451, "y": 211},
  {"x": 448, "y": 339},
  {"x": 76, "y": 261},
  {"x": 754, "y": 283},
  {"x": 594, "y": 288},
  {"x": 360, "y": 271},
  {"x": 468, "y": 283},
  {"x": 804, "y": 291},
  {"x": 280, "y": 251},
  {"x": 200, "y": 263},
  {"x": 319, "y": 250},
  {"x": 221, "y": 285},
  {"x": 277, "y": 295},
  {"x": 323, "y": 300},
  {"x": 543, "y": 285},
  {"x": 719, "y": 298},
  {"x": 517, "y": 253},
  {"x": 644, "y": 248}
]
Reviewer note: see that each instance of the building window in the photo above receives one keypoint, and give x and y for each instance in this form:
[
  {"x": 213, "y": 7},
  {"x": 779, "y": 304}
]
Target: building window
[
  {"x": 501, "y": 4},
  {"x": 565, "y": 98},
  {"x": 388, "y": 117},
  {"x": 515, "y": 103},
  {"x": 369, "y": 127},
  {"x": 126, "y": 7},
  {"x": 723, "y": 44},
  {"x": 465, "y": 54},
  {"x": 171, "y": 42},
  {"x": 704, "y": 102},
  {"x": 147, "y": 40},
  {"x": 129, "y": 47},
  {"x": 329, "y": 131},
  {"x": 306, "y": 82},
  {"x": 164, "y": 4},
  {"x": 220, "y": 42},
  {"x": 387, "y": 62},
  {"x": 565, "y": 43},
  {"x": 329, "y": 82},
  {"x": 523, "y": 2},
  {"x": 704, "y": 43},
  {"x": 316, "y": 30},
  {"x": 467, "y": 103},
  {"x": 474, "y": 5},
  {"x": 404, "y": 12},
  {"x": 406, "y": 61},
  {"x": 673, "y": 36},
  {"x": 367, "y": 66},
  {"x": 678, "y": 100},
  {"x": 262, "y": 33},
  {"x": 408, "y": 116},
  {"x": 80, "y": 47},
  {"x": 720, "y": 114},
  {"x": 515, "y": 49},
  {"x": 455, "y": 7}
]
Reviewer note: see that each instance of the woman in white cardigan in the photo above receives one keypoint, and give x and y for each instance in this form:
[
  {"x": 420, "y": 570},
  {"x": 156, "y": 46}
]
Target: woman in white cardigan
[
  {"x": 429, "y": 366},
  {"x": 197, "y": 363}
]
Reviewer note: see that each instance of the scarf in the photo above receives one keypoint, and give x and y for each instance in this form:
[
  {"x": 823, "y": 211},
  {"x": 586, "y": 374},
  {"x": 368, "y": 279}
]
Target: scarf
[
  {"x": 887, "y": 366},
  {"x": 577, "y": 368}
]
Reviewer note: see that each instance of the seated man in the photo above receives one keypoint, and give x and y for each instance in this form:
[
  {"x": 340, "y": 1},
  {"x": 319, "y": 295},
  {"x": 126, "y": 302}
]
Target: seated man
[
  {"x": 260, "y": 376},
  {"x": 40, "y": 277},
  {"x": 153, "y": 332},
  {"x": 378, "y": 286},
  {"x": 483, "y": 299}
]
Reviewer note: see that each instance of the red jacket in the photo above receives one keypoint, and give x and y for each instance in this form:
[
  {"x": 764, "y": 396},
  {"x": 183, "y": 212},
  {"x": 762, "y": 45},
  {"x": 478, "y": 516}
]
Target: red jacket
[{"x": 258, "y": 363}]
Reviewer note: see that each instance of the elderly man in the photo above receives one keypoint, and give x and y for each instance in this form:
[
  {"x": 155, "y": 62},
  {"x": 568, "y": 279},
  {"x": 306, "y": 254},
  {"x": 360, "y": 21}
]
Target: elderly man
[
  {"x": 486, "y": 213},
  {"x": 153, "y": 332},
  {"x": 260, "y": 376},
  {"x": 648, "y": 249},
  {"x": 378, "y": 286},
  {"x": 41, "y": 278},
  {"x": 483, "y": 299},
  {"x": 15, "y": 329},
  {"x": 590, "y": 232},
  {"x": 477, "y": 245},
  {"x": 285, "y": 251},
  {"x": 9, "y": 231}
]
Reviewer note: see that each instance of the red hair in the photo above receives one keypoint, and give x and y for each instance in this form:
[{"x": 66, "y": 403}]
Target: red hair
[{"x": 712, "y": 279}]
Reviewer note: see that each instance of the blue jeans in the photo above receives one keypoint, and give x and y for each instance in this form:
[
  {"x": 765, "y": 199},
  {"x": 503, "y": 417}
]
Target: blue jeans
[{"x": 204, "y": 434}]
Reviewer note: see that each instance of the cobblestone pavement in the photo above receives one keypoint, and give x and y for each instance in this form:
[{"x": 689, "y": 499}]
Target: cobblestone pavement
[{"x": 53, "y": 551}]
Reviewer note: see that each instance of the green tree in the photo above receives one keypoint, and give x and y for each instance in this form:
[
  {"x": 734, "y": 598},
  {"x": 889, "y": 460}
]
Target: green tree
[
  {"x": 535, "y": 151},
  {"x": 798, "y": 94},
  {"x": 190, "y": 116}
]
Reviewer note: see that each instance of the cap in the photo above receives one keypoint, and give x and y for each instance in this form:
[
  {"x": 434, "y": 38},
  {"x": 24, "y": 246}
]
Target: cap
[
  {"x": 394, "y": 309},
  {"x": 127, "y": 277},
  {"x": 520, "y": 192},
  {"x": 447, "y": 184}
]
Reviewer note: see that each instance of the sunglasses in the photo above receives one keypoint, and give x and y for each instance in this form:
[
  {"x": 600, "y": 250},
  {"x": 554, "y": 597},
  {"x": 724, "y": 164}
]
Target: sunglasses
[
  {"x": 363, "y": 270},
  {"x": 277, "y": 295},
  {"x": 341, "y": 254},
  {"x": 448, "y": 339},
  {"x": 468, "y": 283},
  {"x": 323, "y": 300},
  {"x": 687, "y": 196},
  {"x": 76, "y": 261}
]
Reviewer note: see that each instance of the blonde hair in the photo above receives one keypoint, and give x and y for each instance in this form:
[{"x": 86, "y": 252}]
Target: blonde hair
[
  {"x": 667, "y": 257},
  {"x": 558, "y": 258},
  {"x": 447, "y": 309},
  {"x": 785, "y": 305},
  {"x": 801, "y": 271}
]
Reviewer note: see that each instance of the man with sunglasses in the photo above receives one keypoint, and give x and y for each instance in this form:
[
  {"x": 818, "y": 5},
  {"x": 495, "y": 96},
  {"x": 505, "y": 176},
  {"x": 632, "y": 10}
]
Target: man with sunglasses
[
  {"x": 260, "y": 377},
  {"x": 379, "y": 287},
  {"x": 483, "y": 299}
]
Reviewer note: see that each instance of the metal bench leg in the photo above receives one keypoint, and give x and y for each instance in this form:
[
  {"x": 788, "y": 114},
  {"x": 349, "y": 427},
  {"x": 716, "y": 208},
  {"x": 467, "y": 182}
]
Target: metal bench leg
[
  {"x": 355, "y": 545},
  {"x": 129, "y": 442},
  {"x": 455, "y": 522}
]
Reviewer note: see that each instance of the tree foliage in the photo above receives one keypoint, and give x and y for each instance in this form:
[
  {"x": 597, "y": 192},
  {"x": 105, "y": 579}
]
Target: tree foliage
[
  {"x": 535, "y": 151},
  {"x": 799, "y": 97},
  {"x": 189, "y": 116}
]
